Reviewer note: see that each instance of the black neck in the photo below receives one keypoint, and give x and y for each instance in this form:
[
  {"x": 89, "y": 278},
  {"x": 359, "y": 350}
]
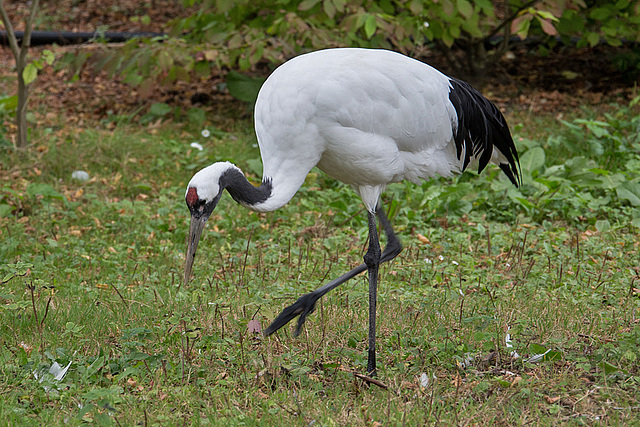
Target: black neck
[{"x": 242, "y": 190}]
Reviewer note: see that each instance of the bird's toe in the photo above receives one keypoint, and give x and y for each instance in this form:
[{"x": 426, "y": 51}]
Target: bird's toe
[{"x": 304, "y": 306}]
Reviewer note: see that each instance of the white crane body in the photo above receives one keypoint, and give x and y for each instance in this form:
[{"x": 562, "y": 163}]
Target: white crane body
[
  {"x": 364, "y": 117},
  {"x": 367, "y": 118}
]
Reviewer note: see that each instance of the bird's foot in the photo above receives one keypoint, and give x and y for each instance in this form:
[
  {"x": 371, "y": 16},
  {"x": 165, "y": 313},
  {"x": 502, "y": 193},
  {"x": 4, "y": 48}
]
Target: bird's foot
[
  {"x": 371, "y": 364},
  {"x": 304, "y": 306}
]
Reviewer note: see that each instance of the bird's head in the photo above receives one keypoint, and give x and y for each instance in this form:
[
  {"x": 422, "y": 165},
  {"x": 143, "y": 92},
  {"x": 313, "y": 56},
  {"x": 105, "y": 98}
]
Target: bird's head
[{"x": 202, "y": 196}]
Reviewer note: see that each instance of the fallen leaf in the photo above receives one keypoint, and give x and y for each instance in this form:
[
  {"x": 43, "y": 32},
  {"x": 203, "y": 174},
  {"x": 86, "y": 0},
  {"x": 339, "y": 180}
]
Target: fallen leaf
[
  {"x": 254, "y": 326},
  {"x": 551, "y": 400},
  {"x": 423, "y": 239}
]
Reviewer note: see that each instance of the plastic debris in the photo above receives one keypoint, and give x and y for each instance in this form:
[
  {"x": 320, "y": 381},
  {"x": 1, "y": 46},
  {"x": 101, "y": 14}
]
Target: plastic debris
[
  {"x": 537, "y": 357},
  {"x": 509, "y": 343},
  {"x": 56, "y": 370}
]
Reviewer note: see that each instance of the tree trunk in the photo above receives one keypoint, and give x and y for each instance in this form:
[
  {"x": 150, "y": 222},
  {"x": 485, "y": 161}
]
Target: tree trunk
[
  {"x": 20, "y": 55},
  {"x": 21, "y": 110}
]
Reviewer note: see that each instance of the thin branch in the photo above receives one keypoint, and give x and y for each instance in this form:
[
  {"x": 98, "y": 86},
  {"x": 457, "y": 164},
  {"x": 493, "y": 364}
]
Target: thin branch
[
  {"x": 371, "y": 380},
  {"x": 13, "y": 42},
  {"x": 26, "y": 37},
  {"x": 20, "y": 54}
]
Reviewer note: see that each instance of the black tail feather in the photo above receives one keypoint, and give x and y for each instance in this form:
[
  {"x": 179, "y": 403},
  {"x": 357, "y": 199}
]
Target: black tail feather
[{"x": 481, "y": 127}]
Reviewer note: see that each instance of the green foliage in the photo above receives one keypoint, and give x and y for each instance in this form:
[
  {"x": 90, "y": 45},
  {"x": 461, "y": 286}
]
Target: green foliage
[
  {"x": 243, "y": 87},
  {"x": 586, "y": 173},
  {"x": 245, "y": 34},
  {"x": 594, "y": 172},
  {"x": 8, "y": 105},
  {"x": 30, "y": 71},
  {"x": 611, "y": 21}
]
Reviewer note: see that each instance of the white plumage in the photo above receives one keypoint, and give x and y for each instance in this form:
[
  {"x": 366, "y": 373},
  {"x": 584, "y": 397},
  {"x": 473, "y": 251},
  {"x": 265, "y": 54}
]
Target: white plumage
[
  {"x": 367, "y": 118},
  {"x": 364, "y": 117}
]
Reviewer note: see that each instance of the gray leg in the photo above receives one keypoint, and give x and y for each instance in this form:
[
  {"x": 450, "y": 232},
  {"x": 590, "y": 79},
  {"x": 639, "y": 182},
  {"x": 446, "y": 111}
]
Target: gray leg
[
  {"x": 372, "y": 260},
  {"x": 306, "y": 304}
]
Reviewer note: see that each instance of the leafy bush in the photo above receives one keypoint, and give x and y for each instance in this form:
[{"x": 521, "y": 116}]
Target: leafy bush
[
  {"x": 589, "y": 173},
  {"x": 246, "y": 33}
]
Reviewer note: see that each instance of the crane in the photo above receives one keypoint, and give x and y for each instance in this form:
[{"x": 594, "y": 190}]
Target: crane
[{"x": 368, "y": 118}]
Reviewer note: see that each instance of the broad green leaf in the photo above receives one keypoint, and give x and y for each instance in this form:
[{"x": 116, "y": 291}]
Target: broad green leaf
[
  {"x": 48, "y": 56},
  {"x": 243, "y": 87},
  {"x": 30, "y": 73},
  {"x": 133, "y": 79},
  {"x": 520, "y": 26},
  {"x": 9, "y": 103},
  {"x": 465, "y": 8},
  {"x": 546, "y": 15},
  {"x": 622, "y": 4},
  {"x": 137, "y": 355},
  {"x": 603, "y": 225},
  {"x": 94, "y": 367},
  {"x": 454, "y": 30},
  {"x": 307, "y": 4},
  {"x": 503, "y": 383},
  {"x": 45, "y": 190},
  {"x": 416, "y": 7},
  {"x": 547, "y": 26},
  {"x": 600, "y": 13},
  {"x": 526, "y": 203},
  {"x": 5, "y": 210},
  {"x": 329, "y": 8},
  {"x": 532, "y": 159},
  {"x": 202, "y": 68},
  {"x": 102, "y": 393},
  {"x": 160, "y": 109},
  {"x": 608, "y": 367},
  {"x": 593, "y": 39},
  {"x": 629, "y": 191},
  {"x": 448, "y": 8},
  {"x": 537, "y": 348},
  {"x": 143, "y": 187},
  {"x": 472, "y": 26},
  {"x": 552, "y": 356},
  {"x": 197, "y": 116},
  {"x": 486, "y": 6},
  {"x": 165, "y": 61},
  {"x": 370, "y": 26}
]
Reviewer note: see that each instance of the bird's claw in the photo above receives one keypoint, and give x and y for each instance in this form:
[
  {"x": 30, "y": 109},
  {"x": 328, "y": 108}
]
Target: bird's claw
[{"x": 304, "y": 306}]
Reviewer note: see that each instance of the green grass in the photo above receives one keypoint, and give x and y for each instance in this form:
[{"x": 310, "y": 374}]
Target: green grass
[{"x": 91, "y": 275}]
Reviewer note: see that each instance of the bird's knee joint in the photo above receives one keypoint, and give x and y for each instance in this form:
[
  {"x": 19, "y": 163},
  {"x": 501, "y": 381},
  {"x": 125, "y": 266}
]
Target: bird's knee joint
[{"x": 372, "y": 259}]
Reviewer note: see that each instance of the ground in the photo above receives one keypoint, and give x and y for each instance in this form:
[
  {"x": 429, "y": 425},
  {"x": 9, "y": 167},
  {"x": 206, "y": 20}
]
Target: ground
[{"x": 92, "y": 269}]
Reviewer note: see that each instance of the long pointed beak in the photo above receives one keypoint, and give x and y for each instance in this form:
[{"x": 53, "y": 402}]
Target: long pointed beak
[{"x": 195, "y": 230}]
